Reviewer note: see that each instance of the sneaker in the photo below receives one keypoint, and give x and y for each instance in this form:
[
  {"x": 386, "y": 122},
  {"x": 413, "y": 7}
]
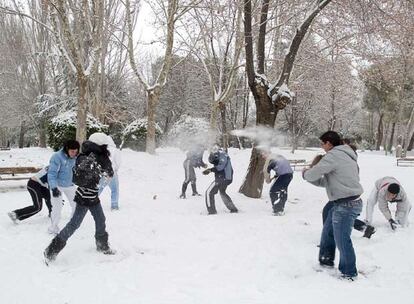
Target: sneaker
[
  {"x": 196, "y": 194},
  {"x": 326, "y": 262},
  {"x": 114, "y": 208},
  {"x": 182, "y": 196},
  {"x": 234, "y": 211},
  {"x": 278, "y": 213},
  {"x": 108, "y": 251},
  {"x": 369, "y": 231},
  {"x": 348, "y": 278},
  {"x": 13, "y": 216}
]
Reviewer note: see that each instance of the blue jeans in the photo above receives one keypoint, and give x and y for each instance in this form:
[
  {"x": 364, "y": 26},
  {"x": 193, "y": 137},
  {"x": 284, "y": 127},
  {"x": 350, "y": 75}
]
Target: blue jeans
[
  {"x": 77, "y": 218},
  {"x": 114, "y": 186},
  {"x": 336, "y": 232}
]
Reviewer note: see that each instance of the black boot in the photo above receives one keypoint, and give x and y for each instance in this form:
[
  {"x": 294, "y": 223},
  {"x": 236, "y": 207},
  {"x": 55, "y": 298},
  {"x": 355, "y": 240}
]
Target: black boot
[
  {"x": 194, "y": 188},
  {"x": 53, "y": 249},
  {"x": 369, "y": 231},
  {"x": 183, "y": 189},
  {"x": 102, "y": 244}
]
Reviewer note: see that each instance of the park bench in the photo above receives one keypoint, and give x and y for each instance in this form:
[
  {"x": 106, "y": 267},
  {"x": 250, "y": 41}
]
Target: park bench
[
  {"x": 298, "y": 163},
  {"x": 4, "y": 148},
  {"x": 17, "y": 173},
  {"x": 405, "y": 161}
]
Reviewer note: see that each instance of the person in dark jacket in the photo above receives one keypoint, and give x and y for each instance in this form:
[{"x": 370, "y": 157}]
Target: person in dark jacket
[
  {"x": 92, "y": 164},
  {"x": 193, "y": 160},
  {"x": 39, "y": 191},
  {"x": 283, "y": 176},
  {"x": 223, "y": 177}
]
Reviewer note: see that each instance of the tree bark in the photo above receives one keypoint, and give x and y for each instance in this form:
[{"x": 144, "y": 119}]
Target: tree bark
[
  {"x": 389, "y": 148},
  {"x": 380, "y": 131},
  {"x": 152, "y": 101},
  {"x": 82, "y": 108},
  {"x": 21, "y": 134}
]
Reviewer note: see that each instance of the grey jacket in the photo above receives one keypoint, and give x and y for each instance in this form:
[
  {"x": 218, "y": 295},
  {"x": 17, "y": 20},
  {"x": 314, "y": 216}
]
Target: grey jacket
[
  {"x": 379, "y": 194},
  {"x": 337, "y": 172}
]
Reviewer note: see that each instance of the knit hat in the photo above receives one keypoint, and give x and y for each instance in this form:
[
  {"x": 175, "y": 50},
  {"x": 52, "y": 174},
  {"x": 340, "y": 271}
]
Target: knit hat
[
  {"x": 99, "y": 138},
  {"x": 394, "y": 188}
]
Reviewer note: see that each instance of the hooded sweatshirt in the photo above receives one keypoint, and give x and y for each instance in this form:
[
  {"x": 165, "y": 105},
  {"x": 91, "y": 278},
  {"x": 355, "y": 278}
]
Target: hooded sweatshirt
[
  {"x": 379, "y": 194},
  {"x": 337, "y": 172}
]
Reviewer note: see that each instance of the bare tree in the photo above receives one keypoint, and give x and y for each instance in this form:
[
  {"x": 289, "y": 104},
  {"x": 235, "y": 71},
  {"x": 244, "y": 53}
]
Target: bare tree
[{"x": 269, "y": 99}]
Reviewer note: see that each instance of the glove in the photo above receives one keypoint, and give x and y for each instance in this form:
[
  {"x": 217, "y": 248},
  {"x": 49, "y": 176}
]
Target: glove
[
  {"x": 207, "y": 171},
  {"x": 393, "y": 224},
  {"x": 205, "y": 166},
  {"x": 56, "y": 192}
]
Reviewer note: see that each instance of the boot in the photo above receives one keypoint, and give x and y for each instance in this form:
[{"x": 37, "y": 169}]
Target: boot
[
  {"x": 102, "y": 244},
  {"x": 194, "y": 188},
  {"x": 183, "y": 189},
  {"x": 53, "y": 249}
]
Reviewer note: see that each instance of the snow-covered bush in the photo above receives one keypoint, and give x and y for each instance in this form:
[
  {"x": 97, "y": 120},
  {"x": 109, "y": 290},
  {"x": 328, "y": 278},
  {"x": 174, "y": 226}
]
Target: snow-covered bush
[
  {"x": 63, "y": 127},
  {"x": 188, "y": 131},
  {"x": 135, "y": 134}
]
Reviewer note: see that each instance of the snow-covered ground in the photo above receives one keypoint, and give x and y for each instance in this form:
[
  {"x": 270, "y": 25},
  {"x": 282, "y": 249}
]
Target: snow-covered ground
[{"x": 170, "y": 251}]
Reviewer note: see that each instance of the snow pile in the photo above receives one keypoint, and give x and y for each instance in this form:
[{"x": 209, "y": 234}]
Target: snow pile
[{"x": 171, "y": 251}]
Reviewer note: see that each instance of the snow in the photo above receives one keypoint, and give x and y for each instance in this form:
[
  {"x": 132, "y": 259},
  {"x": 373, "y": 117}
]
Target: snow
[
  {"x": 170, "y": 251},
  {"x": 70, "y": 118}
]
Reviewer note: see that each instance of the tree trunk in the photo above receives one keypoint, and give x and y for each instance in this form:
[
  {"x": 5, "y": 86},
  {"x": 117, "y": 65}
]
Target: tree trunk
[
  {"x": 153, "y": 97},
  {"x": 380, "y": 130},
  {"x": 408, "y": 134},
  {"x": 42, "y": 133},
  {"x": 266, "y": 115},
  {"x": 224, "y": 135},
  {"x": 411, "y": 143},
  {"x": 82, "y": 109},
  {"x": 389, "y": 148},
  {"x": 21, "y": 134}
]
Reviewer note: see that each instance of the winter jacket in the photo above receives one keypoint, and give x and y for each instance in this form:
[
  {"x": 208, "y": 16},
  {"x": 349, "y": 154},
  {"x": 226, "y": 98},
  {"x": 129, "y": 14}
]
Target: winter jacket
[
  {"x": 115, "y": 156},
  {"x": 195, "y": 157},
  {"x": 337, "y": 172},
  {"x": 91, "y": 165},
  {"x": 223, "y": 171},
  {"x": 41, "y": 177},
  {"x": 278, "y": 164},
  {"x": 379, "y": 194},
  {"x": 60, "y": 170}
]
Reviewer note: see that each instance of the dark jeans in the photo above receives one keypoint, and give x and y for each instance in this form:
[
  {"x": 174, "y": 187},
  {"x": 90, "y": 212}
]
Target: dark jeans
[
  {"x": 77, "y": 218},
  {"x": 279, "y": 192},
  {"x": 358, "y": 224},
  {"x": 216, "y": 186},
  {"x": 336, "y": 232},
  {"x": 38, "y": 193}
]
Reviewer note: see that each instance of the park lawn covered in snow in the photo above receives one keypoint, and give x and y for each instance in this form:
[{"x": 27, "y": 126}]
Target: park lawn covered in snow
[{"x": 170, "y": 251}]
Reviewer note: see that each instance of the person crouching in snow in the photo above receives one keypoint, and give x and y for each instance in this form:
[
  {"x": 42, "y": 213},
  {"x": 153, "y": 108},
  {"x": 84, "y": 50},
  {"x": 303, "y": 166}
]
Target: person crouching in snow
[
  {"x": 39, "y": 191},
  {"x": 91, "y": 165},
  {"x": 389, "y": 190},
  {"x": 283, "y": 176},
  {"x": 223, "y": 172},
  {"x": 193, "y": 160}
]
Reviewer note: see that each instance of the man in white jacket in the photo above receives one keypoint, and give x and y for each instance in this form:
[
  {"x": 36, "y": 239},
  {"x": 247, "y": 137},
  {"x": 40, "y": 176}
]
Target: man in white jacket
[
  {"x": 115, "y": 158},
  {"x": 389, "y": 190}
]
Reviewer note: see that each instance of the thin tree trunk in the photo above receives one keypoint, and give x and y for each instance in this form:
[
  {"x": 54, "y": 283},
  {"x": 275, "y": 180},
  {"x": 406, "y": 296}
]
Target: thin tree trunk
[
  {"x": 380, "y": 130},
  {"x": 391, "y": 137},
  {"x": 82, "y": 108},
  {"x": 224, "y": 135},
  {"x": 153, "y": 97},
  {"x": 21, "y": 134}
]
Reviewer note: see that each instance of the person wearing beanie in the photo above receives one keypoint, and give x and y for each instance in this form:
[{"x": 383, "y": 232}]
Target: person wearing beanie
[
  {"x": 91, "y": 165},
  {"x": 388, "y": 190},
  {"x": 59, "y": 179}
]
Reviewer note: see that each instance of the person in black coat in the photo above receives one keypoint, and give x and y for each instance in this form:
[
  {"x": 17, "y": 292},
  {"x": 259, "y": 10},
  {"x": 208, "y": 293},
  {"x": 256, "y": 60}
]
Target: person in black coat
[{"x": 92, "y": 164}]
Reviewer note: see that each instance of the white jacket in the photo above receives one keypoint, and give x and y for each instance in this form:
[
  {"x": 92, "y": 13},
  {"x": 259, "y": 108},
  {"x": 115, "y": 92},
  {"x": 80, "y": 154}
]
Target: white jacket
[{"x": 379, "y": 193}]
